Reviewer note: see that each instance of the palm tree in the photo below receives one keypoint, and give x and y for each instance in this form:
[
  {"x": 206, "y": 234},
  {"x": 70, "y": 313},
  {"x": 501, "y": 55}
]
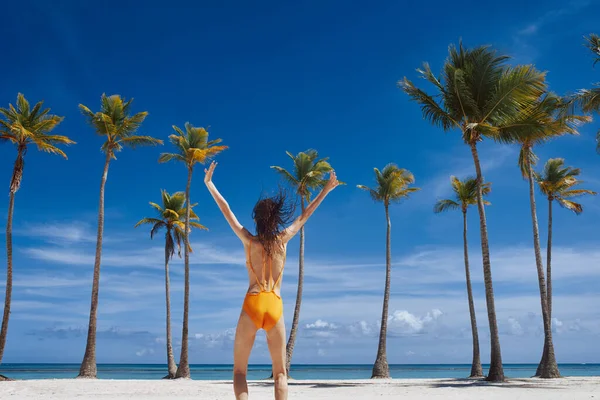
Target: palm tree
[
  {"x": 308, "y": 174},
  {"x": 23, "y": 126},
  {"x": 392, "y": 186},
  {"x": 589, "y": 99},
  {"x": 542, "y": 121},
  {"x": 557, "y": 182},
  {"x": 465, "y": 194},
  {"x": 115, "y": 123},
  {"x": 171, "y": 218},
  {"x": 192, "y": 146},
  {"x": 476, "y": 92}
]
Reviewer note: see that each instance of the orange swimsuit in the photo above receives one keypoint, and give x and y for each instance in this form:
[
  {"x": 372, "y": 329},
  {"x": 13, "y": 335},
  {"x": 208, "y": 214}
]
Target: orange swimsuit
[{"x": 265, "y": 307}]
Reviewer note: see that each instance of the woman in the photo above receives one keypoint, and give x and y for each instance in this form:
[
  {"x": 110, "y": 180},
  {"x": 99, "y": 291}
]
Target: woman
[{"x": 265, "y": 259}]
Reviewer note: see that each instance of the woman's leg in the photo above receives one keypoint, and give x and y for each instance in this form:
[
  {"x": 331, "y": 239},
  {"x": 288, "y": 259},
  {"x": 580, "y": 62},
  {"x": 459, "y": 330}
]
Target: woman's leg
[
  {"x": 276, "y": 342},
  {"x": 242, "y": 346}
]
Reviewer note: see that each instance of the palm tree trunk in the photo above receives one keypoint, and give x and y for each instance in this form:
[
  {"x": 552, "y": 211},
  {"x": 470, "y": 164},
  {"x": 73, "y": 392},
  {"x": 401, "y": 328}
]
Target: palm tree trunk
[
  {"x": 381, "y": 368},
  {"x": 172, "y": 367},
  {"x": 549, "y": 368},
  {"x": 496, "y": 372},
  {"x": 289, "y": 348},
  {"x": 548, "y": 285},
  {"x": 88, "y": 365},
  {"x": 14, "y": 186},
  {"x": 183, "y": 371},
  {"x": 476, "y": 370}
]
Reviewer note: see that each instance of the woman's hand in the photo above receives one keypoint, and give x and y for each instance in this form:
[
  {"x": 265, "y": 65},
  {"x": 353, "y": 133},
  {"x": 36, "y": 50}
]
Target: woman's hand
[
  {"x": 208, "y": 173},
  {"x": 332, "y": 183}
]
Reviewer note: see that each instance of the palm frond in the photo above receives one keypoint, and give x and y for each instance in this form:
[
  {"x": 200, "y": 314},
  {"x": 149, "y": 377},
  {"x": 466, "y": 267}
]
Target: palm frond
[
  {"x": 373, "y": 193},
  {"x": 432, "y": 111},
  {"x": 518, "y": 88},
  {"x": 48, "y": 148},
  {"x": 587, "y": 99},
  {"x": 130, "y": 125},
  {"x": 593, "y": 44},
  {"x": 198, "y": 225},
  {"x": 570, "y": 205},
  {"x": 58, "y": 139},
  {"x": 178, "y": 238},
  {"x": 577, "y": 192},
  {"x": 134, "y": 141},
  {"x": 527, "y": 159},
  {"x": 166, "y": 157},
  {"x": 286, "y": 175},
  {"x": 445, "y": 205},
  {"x": 153, "y": 221}
]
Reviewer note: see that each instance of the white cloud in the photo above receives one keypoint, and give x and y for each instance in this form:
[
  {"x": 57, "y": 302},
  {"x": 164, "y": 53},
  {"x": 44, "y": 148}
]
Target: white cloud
[
  {"x": 144, "y": 352},
  {"x": 362, "y": 328},
  {"x": 557, "y": 325},
  {"x": 320, "y": 324},
  {"x": 515, "y": 327},
  {"x": 224, "y": 338},
  {"x": 404, "y": 323},
  {"x": 321, "y": 329}
]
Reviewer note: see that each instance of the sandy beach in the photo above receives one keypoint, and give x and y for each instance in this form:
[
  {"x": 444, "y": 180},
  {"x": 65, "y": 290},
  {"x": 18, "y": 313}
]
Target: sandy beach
[{"x": 410, "y": 389}]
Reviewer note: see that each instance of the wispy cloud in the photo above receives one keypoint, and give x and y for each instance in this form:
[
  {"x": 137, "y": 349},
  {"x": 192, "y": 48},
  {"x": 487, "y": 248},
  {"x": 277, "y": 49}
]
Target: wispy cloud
[
  {"x": 461, "y": 166},
  {"x": 523, "y": 38},
  {"x": 144, "y": 257},
  {"x": 67, "y": 332},
  {"x": 552, "y": 16},
  {"x": 57, "y": 232}
]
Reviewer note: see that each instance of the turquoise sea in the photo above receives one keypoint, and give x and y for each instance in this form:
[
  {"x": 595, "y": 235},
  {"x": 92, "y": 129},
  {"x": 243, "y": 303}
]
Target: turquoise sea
[{"x": 224, "y": 372}]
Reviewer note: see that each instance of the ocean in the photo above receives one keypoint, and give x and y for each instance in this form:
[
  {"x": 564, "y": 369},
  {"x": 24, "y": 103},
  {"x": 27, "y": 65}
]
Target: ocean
[{"x": 328, "y": 372}]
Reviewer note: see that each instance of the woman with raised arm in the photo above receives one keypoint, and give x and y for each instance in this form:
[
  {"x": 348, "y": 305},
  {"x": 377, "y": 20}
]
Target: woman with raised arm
[{"x": 265, "y": 259}]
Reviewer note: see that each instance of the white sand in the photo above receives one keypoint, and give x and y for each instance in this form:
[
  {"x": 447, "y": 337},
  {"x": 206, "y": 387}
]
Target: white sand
[{"x": 405, "y": 389}]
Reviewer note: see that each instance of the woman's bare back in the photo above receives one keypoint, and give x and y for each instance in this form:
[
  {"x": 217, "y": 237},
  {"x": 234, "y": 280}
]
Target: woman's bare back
[{"x": 266, "y": 269}]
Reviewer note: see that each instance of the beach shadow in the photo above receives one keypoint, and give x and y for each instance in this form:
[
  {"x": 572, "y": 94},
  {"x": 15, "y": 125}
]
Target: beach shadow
[
  {"x": 509, "y": 384},
  {"x": 464, "y": 383},
  {"x": 316, "y": 385}
]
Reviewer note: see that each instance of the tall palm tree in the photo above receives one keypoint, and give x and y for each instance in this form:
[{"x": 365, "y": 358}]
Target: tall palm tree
[
  {"x": 170, "y": 216},
  {"x": 589, "y": 99},
  {"x": 476, "y": 92},
  {"x": 192, "y": 146},
  {"x": 542, "y": 121},
  {"x": 308, "y": 174},
  {"x": 24, "y": 126},
  {"x": 114, "y": 122},
  {"x": 557, "y": 182},
  {"x": 392, "y": 186},
  {"x": 465, "y": 195}
]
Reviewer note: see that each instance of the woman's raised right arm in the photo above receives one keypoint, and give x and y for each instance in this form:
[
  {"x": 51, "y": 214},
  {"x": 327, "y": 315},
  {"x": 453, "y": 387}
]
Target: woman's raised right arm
[{"x": 293, "y": 229}]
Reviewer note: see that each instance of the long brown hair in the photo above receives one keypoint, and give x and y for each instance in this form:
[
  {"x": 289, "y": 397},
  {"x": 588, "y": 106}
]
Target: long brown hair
[{"x": 271, "y": 215}]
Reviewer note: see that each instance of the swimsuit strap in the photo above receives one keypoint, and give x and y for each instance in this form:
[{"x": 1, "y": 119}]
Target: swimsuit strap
[
  {"x": 271, "y": 272},
  {"x": 252, "y": 268},
  {"x": 281, "y": 273},
  {"x": 264, "y": 266}
]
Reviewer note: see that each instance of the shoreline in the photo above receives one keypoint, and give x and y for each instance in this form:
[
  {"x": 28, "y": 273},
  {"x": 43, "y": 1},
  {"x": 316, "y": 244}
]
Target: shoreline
[{"x": 573, "y": 388}]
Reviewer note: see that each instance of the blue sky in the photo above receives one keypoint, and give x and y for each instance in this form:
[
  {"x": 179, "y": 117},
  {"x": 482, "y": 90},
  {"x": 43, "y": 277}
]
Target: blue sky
[{"x": 270, "y": 77}]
